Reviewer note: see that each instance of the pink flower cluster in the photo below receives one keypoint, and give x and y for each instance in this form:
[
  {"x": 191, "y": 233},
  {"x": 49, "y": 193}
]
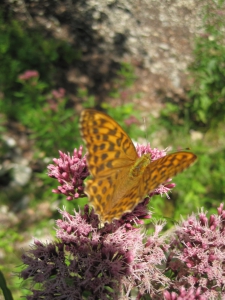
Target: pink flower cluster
[
  {"x": 70, "y": 171},
  {"x": 197, "y": 256},
  {"x": 58, "y": 94},
  {"x": 190, "y": 294},
  {"x": 119, "y": 260},
  {"x": 54, "y": 102},
  {"x": 89, "y": 262},
  {"x": 131, "y": 120},
  {"x": 28, "y": 74}
]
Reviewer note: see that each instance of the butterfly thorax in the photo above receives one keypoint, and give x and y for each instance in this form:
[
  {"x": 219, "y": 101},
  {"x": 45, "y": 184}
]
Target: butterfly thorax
[{"x": 140, "y": 165}]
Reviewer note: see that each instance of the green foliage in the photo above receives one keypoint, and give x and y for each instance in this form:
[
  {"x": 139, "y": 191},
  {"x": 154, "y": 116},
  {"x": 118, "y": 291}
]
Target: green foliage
[
  {"x": 170, "y": 117},
  {"x": 6, "y": 292},
  {"x": 8, "y": 268},
  {"x": 208, "y": 71},
  {"x": 205, "y": 107},
  {"x": 53, "y": 126},
  {"x": 89, "y": 100},
  {"x": 51, "y": 122},
  {"x": 24, "y": 49},
  {"x": 7, "y": 235},
  {"x": 125, "y": 79}
]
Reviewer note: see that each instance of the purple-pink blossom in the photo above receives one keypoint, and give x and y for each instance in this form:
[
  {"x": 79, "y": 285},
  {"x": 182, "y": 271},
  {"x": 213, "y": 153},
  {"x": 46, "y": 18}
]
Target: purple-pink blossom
[
  {"x": 28, "y": 74},
  {"x": 70, "y": 171},
  {"x": 96, "y": 262},
  {"x": 131, "y": 120},
  {"x": 119, "y": 260},
  {"x": 58, "y": 94},
  {"x": 183, "y": 294},
  {"x": 93, "y": 262},
  {"x": 54, "y": 102},
  {"x": 197, "y": 254}
]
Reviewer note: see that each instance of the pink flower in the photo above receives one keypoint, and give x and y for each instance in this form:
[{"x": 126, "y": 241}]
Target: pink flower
[
  {"x": 114, "y": 261},
  {"x": 58, "y": 94},
  {"x": 52, "y": 105},
  {"x": 190, "y": 294},
  {"x": 118, "y": 260},
  {"x": 28, "y": 74},
  {"x": 100, "y": 262},
  {"x": 131, "y": 120},
  {"x": 197, "y": 254},
  {"x": 70, "y": 171}
]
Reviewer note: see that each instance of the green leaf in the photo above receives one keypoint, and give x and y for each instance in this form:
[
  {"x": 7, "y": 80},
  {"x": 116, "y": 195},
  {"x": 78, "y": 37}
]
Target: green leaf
[{"x": 6, "y": 292}]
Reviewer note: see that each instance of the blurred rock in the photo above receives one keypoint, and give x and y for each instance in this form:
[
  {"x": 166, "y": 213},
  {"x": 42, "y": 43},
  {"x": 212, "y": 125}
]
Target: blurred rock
[
  {"x": 21, "y": 174},
  {"x": 196, "y": 135}
]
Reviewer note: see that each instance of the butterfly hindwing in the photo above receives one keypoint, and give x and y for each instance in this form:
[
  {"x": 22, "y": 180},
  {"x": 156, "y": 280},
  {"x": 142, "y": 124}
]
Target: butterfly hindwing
[{"x": 165, "y": 168}]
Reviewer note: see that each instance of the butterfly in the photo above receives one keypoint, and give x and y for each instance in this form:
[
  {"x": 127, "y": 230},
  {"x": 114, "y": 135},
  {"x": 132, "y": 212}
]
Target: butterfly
[{"x": 120, "y": 178}]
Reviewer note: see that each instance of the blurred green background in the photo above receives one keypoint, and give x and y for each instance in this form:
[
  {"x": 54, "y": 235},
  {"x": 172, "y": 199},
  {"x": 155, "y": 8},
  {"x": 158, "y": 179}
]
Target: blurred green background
[{"x": 39, "y": 112}]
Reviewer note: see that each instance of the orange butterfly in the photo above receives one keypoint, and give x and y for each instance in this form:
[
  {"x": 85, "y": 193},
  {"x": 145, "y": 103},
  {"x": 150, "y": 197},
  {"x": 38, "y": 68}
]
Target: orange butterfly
[{"x": 121, "y": 179}]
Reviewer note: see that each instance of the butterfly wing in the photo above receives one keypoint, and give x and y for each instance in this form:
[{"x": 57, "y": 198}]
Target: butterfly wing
[
  {"x": 156, "y": 173},
  {"x": 109, "y": 147},
  {"x": 111, "y": 154},
  {"x": 111, "y": 196},
  {"x": 160, "y": 170},
  {"x": 124, "y": 204}
]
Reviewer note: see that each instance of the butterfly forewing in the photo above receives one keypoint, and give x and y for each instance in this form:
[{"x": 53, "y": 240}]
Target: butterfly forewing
[{"x": 109, "y": 147}]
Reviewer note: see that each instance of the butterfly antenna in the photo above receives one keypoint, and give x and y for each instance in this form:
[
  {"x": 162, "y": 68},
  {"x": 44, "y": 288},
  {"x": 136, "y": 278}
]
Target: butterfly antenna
[{"x": 184, "y": 149}]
